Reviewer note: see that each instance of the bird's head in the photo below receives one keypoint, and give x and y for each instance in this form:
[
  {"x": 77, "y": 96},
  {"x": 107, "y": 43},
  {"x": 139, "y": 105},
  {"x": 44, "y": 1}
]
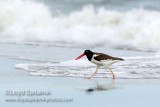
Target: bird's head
[{"x": 86, "y": 52}]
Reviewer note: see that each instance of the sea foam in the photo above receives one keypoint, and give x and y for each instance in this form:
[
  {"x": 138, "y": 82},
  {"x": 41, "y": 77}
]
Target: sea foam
[
  {"x": 138, "y": 67},
  {"x": 137, "y": 28}
]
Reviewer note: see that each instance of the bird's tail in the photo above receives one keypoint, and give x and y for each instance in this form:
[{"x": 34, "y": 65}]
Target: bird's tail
[
  {"x": 115, "y": 58},
  {"x": 121, "y": 59}
]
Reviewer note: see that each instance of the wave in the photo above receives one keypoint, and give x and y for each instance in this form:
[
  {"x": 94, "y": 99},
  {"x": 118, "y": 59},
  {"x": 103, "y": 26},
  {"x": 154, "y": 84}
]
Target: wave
[
  {"x": 33, "y": 21},
  {"x": 133, "y": 67}
]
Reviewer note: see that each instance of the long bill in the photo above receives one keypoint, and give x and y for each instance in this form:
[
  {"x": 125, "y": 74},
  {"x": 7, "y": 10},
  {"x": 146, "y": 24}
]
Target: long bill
[{"x": 80, "y": 56}]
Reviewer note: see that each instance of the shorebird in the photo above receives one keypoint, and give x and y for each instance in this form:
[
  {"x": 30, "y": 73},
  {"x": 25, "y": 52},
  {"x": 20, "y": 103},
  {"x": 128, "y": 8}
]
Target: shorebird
[{"x": 100, "y": 59}]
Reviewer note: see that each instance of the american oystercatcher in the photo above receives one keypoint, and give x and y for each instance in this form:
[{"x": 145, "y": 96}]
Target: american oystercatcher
[{"x": 100, "y": 59}]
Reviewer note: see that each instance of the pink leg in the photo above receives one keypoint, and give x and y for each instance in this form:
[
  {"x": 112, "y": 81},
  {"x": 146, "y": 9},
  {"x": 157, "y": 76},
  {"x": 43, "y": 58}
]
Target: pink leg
[
  {"x": 93, "y": 74},
  {"x": 112, "y": 72}
]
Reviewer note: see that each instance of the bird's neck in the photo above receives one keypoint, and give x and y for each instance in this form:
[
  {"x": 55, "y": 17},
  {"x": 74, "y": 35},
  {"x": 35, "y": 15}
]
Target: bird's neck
[{"x": 89, "y": 56}]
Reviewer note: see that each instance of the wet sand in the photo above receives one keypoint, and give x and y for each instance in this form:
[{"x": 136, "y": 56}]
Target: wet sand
[{"x": 77, "y": 91}]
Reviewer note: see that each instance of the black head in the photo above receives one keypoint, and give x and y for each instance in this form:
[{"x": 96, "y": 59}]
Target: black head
[{"x": 89, "y": 54}]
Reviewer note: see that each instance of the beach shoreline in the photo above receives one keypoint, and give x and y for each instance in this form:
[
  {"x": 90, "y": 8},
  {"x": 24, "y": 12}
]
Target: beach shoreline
[{"x": 77, "y": 91}]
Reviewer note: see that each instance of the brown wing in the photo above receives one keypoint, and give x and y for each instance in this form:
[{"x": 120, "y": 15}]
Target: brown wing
[{"x": 102, "y": 56}]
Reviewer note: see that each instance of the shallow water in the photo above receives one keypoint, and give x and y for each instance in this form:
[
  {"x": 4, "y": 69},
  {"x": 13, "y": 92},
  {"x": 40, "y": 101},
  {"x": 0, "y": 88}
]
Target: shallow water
[{"x": 59, "y": 61}]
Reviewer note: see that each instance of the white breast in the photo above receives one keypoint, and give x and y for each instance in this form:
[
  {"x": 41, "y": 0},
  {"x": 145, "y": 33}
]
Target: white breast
[{"x": 102, "y": 62}]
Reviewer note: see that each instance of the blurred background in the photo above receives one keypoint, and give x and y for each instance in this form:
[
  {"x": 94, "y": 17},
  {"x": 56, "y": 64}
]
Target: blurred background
[{"x": 132, "y": 24}]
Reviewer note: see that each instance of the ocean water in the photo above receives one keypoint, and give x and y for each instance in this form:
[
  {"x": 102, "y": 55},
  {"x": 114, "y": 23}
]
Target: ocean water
[{"x": 47, "y": 35}]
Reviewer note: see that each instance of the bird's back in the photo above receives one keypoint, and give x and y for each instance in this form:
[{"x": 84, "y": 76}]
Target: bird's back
[{"x": 102, "y": 56}]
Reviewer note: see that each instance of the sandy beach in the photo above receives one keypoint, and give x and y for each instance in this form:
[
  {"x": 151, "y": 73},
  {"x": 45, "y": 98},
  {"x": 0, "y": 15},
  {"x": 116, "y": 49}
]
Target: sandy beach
[{"x": 94, "y": 92}]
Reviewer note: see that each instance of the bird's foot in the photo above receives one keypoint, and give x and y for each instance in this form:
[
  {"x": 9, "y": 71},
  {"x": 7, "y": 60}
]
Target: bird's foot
[
  {"x": 114, "y": 77},
  {"x": 87, "y": 78}
]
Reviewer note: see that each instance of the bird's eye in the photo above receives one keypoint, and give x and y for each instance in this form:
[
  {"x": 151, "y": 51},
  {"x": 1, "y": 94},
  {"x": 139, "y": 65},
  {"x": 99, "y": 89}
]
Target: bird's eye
[{"x": 86, "y": 51}]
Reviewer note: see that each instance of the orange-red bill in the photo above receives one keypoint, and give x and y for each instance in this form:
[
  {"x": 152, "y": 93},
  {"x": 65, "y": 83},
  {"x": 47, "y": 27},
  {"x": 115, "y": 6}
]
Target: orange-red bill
[{"x": 80, "y": 56}]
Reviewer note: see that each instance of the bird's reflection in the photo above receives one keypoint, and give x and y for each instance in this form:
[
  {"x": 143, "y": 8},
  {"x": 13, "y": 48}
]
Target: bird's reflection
[{"x": 101, "y": 87}]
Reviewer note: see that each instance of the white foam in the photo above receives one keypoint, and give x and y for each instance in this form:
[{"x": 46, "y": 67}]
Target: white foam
[
  {"x": 157, "y": 54},
  {"x": 141, "y": 67},
  {"x": 81, "y": 62},
  {"x": 25, "y": 67},
  {"x": 90, "y": 26}
]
